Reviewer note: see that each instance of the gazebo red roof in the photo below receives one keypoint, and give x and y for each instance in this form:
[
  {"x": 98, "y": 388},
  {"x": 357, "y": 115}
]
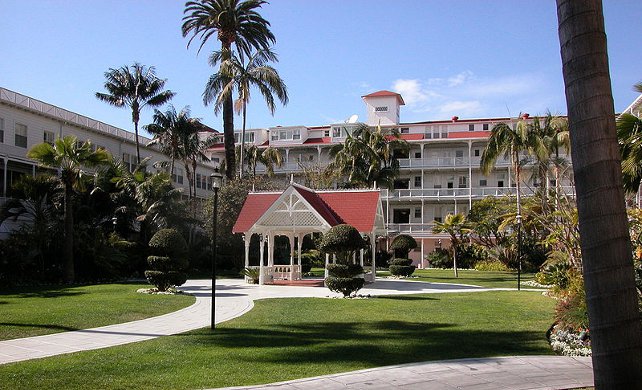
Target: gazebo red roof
[{"x": 357, "y": 208}]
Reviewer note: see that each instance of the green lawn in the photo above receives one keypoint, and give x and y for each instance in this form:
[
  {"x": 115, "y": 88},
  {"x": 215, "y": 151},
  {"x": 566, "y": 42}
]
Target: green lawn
[
  {"x": 42, "y": 310},
  {"x": 479, "y": 278},
  {"x": 282, "y": 339}
]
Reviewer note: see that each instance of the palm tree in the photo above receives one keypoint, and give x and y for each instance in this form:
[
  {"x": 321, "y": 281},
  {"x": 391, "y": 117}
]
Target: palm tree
[
  {"x": 192, "y": 149},
  {"x": 135, "y": 87},
  {"x": 69, "y": 156},
  {"x": 269, "y": 157},
  {"x": 511, "y": 142},
  {"x": 629, "y": 132},
  {"x": 455, "y": 226},
  {"x": 234, "y": 22},
  {"x": 616, "y": 330},
  {"x": 236, "y": 74},
  {"x": 167, "y": 129}
]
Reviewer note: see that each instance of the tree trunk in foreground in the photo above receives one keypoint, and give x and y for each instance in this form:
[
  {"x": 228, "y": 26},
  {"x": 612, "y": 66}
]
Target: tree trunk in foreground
[
  {"x": 68, "y": 246},
  {"x": 616, "y": 330}
]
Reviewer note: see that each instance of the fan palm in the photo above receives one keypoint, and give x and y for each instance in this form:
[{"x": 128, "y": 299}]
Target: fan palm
[
  {"x": 234, "y": 22},
  {"x": 236, "y": 74},
  {"x": 69, "y": 156},
  {"x": 134, "y": 86},
  {"x": 629, "y": 134},
  {"x": 455, "y": 226},
  {"x": 167, "y": 129}
]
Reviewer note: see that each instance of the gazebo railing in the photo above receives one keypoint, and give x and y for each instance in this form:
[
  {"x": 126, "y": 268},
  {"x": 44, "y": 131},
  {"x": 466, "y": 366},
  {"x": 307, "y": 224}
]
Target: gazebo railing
[{"x": 281, "y": 272}]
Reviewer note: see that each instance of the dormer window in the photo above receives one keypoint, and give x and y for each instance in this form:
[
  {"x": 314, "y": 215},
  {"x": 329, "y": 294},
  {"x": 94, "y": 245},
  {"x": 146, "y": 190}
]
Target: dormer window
[{"x": 381, "y": 109}]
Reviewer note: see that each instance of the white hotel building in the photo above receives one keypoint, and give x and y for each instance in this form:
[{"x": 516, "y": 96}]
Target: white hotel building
[{"x": 440, "y": 175}]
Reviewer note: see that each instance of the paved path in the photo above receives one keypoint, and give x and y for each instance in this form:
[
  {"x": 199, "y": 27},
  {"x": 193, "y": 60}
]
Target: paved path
[
  {"x": 234, "y": 297},
  {"x": 515, "y": 373}
]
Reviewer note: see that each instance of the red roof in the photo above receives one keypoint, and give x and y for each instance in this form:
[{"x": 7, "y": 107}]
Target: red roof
[
  {"x": 320, "y": 140},
  {"x": 411, "y": 137},
  {"x": 385, "y": 94},
  {"x": 356, "y": 208},
  {"x": 469, "y": 134},
  {"x": 256, "y": 204}
]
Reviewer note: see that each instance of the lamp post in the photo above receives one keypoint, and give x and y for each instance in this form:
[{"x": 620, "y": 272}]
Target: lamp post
[
  {"x": 217, "y": 179},
  {"x": 519, "y": 250}
]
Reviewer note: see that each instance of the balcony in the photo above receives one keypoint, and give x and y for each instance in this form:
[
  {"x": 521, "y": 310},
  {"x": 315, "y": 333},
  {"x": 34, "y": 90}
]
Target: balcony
[
  {"x": 445, "y": 162},
  {"x": 454, "y": 193}
]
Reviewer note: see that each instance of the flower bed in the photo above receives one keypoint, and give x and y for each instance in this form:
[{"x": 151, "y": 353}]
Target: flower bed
[{"x": 569, "y": 342}]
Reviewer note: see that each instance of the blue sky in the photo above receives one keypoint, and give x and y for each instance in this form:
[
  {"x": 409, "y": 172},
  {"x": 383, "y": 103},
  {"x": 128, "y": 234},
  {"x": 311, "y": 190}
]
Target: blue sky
[{"x": 471, "y": 58}]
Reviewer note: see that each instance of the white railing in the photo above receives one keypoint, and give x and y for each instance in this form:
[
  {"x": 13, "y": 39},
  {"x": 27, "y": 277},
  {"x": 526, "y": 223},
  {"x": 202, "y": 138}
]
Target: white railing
[
  {"x": 281, "y": 272},
  {"x": 442, "y": 162},
  {"x": 478, "y": 192},
  {"x": 47, "y": 109}
]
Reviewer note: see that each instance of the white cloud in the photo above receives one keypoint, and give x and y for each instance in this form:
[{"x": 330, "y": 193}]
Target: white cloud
[
  {"x": 460, "y": 78},
  {"x": 411, "y": 90}
]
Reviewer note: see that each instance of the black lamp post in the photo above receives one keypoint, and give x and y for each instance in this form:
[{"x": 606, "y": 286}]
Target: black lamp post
[
  {"x": 519, "y": 250},
  {"x": 217, "y": 179}
]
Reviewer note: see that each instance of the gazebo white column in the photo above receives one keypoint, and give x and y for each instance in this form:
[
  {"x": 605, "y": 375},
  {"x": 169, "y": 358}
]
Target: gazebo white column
[
  {"x": 271, "y": 250},
  {"x": 373, "y": 240},
  {"x": 261, "y": 258},
  {"x": 299, "y": 240},
  {"x": 327, "y": 262},
  {"x": 247, "y": 238},
  {"x": 291, "y": 238}
]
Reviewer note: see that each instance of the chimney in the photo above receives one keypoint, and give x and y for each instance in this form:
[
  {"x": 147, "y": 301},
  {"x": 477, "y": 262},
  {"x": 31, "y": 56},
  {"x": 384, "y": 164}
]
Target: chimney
[{"x": 455, "y": 118}]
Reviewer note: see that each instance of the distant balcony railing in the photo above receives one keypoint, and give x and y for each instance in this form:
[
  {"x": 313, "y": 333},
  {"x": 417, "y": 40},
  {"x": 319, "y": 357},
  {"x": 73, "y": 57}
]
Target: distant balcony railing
[
  {"x": 451, "y": 193},
  {"x": 445, "y": 162}
]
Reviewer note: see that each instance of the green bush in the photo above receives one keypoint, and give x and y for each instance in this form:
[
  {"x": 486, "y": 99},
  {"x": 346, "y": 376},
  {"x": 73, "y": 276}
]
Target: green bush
[
  {"x": 344, "y": 270},
  {"x": 346, "y": 286},
  {"x": 402, "y": 245},
  {"x": 342, "y": 239},
  {"x": 491, "y": 265},
  {"x": 168, "y": 259},
  {"x": 252, "y": 274},
  {"x": 401, "y": 267},
  {"x": 164, "y": 280},
  {"x": 557, "y": 275},
  {"x": 399, "y": 261},
  {"x": 440, "y": 258},
  {"x": 571, "y": 311}
]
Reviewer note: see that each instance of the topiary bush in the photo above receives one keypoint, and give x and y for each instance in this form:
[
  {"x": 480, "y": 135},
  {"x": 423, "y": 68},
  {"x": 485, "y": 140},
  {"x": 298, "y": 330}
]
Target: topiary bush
[
  {"x": 344, "y": 277},
  {"x": 346, "y": 286},
  {"x": 402, "y": 245},
  {"x": 401, "y": 267},
  {"x": 167, "y": 260}
]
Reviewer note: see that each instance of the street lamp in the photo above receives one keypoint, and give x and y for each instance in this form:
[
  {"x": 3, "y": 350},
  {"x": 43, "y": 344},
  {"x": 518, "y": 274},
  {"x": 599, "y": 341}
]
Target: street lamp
[
  {"x": 519, "y": 250},
  {"x": 217, "y": 179}
]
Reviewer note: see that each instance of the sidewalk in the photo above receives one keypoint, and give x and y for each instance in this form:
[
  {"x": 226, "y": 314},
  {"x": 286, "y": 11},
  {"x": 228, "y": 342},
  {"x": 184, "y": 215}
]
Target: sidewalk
[
  {"x": 233, "y": 298},
  {"x": 514, "y": 373}
]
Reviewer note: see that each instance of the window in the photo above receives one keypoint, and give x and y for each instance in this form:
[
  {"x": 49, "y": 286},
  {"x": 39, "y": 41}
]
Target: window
[
  {"x": 401, "y": 216},
  {"x": 336, "y": 132},
  {"x": 418, "y": 213},
  {"x": 471, "y": 127},
  {"x": 1, "y": 130},
  {"x": 405, "y": 130},
  {"x": 553, "y": 182},
  {"x": 476, "y": 152},
  {"x": 482, "y": 182},
  {"x": 417, "y": 181},
  {"x": 275, "y": 136},
  {"x": 283, "y": 134},
  {"x": 438, "y": 219},
  {"x": 198, "y": 180},
  {"x": 326, "y": 133},
  {"x": 249, "y": 137},
  {"x": 296, "y": 134},
  {"x": 127, "y": 160},
  {"x": 203, "y": 181},
  {"x": 485, "y": 126},
  {"x": 381, "y": 109},
  {"x": 209, "y": 183},
  {"x": 310, "y": 158},
  {"x": 463, "y": 182},
  {"x": 21, "y": 135},
  {"x": 177, "y": 175},
  {"x": 49, "y": 137},
  {"x": 401, "y": 184},
  {"x": 500, "y": 183},
  {"x": 417, "y": 154}
]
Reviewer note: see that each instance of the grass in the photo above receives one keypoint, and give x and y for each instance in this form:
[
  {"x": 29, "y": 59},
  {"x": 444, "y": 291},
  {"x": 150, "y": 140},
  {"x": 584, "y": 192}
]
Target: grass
[
  {"x": 488, "y": 279},
  {"x": 42, "y": 310},
  {"x": 282, "y": 339}
]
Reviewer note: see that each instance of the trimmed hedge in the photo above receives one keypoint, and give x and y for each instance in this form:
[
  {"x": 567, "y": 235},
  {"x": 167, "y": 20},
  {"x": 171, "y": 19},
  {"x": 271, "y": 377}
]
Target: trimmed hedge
[
  {"x": 342, "y": 238},
  {"x": 344, "y": 270},
  {"x": 403, "y": 244},
  {"x": 168, "y": 259},
  {"x": 168, "y": 242},
  {"x": 346, "y": 286},
  {"x": 164, "y": 280},
  {"x": 401, "y": 267}
]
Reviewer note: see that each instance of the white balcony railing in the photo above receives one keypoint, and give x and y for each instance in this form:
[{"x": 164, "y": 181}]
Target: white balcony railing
[{"x": 451, "y": 193}]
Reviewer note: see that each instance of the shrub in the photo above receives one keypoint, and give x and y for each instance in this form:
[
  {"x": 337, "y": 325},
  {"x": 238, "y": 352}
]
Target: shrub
[
  {"x": 252, "y": 274},
  {"x": 491, "y": 265},
  {"x": 342, "y": 239},
  {"x": 402, "y": 245},
  {"x": 440, "y": 258},
  {"x": 401, "y": 267},
  {"x": 398, "y": 261},
  {"x": 571, "y": 311},
  {"x": 168, "y": 259},
  {"x": 344, "y": 270},
  {"x": 342, "y": 278}
]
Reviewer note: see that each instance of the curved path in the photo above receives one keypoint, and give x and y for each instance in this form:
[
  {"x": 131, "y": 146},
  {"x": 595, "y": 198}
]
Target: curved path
[{"x": 234, "y": 298}]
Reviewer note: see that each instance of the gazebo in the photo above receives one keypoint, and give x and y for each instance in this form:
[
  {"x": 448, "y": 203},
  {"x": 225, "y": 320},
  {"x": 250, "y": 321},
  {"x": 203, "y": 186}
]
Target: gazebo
[{"x": 299, "y": 211}]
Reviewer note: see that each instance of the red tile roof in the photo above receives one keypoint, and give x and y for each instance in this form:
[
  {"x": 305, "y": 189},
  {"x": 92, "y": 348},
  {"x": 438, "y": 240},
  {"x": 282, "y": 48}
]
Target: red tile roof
[
  {"x": 256, "y": 204},
  {"x": 356, "y": 208},
  {"x": 469, "y": 134},
  {"x": 411, "y": 137},
  {"x": 386, "y": 93}
]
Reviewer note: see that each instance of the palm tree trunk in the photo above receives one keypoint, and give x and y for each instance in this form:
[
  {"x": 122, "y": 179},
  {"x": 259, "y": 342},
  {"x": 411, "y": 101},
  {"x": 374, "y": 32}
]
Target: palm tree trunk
[
  {"x": 616, "y": 330},
  {"x": 454, "y": 242},
  {"x": 68, "y": 250},
  {"x": 228, "y": 121},
  {"x": 188, "y": 173},
  {"x": 243, "y": 140},
  {"x": 137, "y": 145}
]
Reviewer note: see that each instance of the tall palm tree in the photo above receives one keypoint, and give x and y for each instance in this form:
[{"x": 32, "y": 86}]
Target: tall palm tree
[
  {"x": 456, "y": 227},
  {"x": 134, "y": 86},
  {"x": 167, "y": 129},
  {"x": 510, "y": 141},
  {"x": 235, "y": 22},
  {"x": 192, "y": 150},
  {"x": 616, "y": 330},
  {"x": 629, "y": 134},
  {"x": 235, "y": 74},
  {"x": 69, "y": 156}
]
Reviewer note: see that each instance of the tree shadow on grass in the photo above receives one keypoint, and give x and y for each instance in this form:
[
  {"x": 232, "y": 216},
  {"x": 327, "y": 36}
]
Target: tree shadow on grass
[
  {"x": 373, "y": 343},
  {"x": 50, "y": 293},
  {"x": 45, "y": 326},
  {"x": 406, "y": 298}
]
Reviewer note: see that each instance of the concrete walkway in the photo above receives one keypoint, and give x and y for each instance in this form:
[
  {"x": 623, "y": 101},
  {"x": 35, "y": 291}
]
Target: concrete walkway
[
  {"x": 515, "y": 373},
  {"x": 234, "y": 298}
]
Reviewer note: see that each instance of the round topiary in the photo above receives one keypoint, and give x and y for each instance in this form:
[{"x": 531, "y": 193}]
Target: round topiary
[
  {"x": 399, "y": 261},
  {"x": 346, "y": 286},
  {"x": 401, "y": 270},
  {"x": 402, "y": 244},
  {"x": 341, "y": 239},
  {"x": 344, "y": 270},
  {"x": 168, "y": 242}
]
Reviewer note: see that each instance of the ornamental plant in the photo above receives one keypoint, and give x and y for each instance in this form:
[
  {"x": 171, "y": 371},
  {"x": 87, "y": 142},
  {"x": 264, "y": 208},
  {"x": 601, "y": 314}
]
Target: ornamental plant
[
  {"x": 402, "y": 245},
  {"x": 345, "y": 277},
  {"x": 167, "y": 260}
]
